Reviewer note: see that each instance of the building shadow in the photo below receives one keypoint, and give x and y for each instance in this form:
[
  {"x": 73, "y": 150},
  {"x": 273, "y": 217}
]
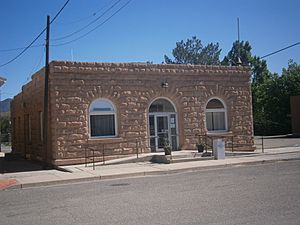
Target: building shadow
[{"x": 13, "y": 164}]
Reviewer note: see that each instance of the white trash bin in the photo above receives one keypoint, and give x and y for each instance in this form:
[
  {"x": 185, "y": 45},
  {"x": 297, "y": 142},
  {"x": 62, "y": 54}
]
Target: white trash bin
[{"x": 219, "y": 149}]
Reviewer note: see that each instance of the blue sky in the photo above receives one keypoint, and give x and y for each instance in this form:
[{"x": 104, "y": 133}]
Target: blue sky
[{"x": 145, "y": 30}]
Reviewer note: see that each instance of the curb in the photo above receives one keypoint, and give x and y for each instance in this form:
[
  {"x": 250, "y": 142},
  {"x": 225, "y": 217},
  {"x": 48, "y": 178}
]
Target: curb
[{"x": 140, "y": 174}]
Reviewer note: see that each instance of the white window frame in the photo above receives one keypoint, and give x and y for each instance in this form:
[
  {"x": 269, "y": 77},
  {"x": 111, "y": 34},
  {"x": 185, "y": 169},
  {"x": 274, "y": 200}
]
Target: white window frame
[
  {"x": 217, "y": 110},
  {"x": 99, "y": 113}
]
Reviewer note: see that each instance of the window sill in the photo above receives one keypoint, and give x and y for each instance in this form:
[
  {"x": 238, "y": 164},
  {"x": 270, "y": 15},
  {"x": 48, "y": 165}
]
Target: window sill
[
  {"x": 104, "y": 139},
  {"x": 219, "y": 133}
]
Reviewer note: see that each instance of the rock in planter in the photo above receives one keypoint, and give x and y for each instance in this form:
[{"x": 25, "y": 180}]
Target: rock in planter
[{"x": 160, "y": 159}]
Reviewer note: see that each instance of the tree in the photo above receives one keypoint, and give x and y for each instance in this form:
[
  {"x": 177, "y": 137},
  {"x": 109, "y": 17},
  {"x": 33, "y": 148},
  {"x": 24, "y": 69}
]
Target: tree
[
  {"x": 262, "y": 80},
  {"x": 193, "y": 52},
  {"x": 270, "y": 91},
  {"x": 271, "y": 100},
  {"x": 240, "y": 50},
  {"x": 288, "y": 84},
  {"x": 5, "y": 127},
  {"x": 291, "y": 78},
  {"x": 260, "y": 71}
]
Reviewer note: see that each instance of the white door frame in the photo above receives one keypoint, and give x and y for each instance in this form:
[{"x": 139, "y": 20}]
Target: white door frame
[{"x": 162, "y": 114}]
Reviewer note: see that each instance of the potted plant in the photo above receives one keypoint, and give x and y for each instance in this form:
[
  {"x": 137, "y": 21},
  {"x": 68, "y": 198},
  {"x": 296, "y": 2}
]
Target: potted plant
[
  {"x": 167, "y": 148},
  {"x": 200, "y": 147}
]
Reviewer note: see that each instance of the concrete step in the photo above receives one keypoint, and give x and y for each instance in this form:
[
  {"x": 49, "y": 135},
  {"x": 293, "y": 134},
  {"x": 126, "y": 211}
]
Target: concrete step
[{"x": 177, "y": 157}]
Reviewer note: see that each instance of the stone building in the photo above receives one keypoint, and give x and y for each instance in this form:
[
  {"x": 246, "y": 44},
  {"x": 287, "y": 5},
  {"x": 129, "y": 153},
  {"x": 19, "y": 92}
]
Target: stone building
[
  {"x": 295, "y": 112},
  {"x": 117, "y": 108}
]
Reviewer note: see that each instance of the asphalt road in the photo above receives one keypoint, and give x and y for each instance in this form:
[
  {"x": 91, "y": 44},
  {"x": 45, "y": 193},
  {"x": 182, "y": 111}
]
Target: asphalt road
[{"x": 257, "y": 194}]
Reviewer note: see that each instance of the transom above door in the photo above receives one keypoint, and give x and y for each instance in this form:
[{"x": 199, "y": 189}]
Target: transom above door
[{"x": 162, "y": 125}]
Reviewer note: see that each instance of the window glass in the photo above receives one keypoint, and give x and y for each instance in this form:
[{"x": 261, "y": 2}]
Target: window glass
[
  {"x": 173, "y": 124},
  {"x": 161, "y": 105},
  {"x": 151, "y": 126},
  {"x": 215, "y": 121},
  {"x": 215, "y": 116},
  {"x": 102, "y": 125},
  {"x": 102, "y": 119},
  {"x": 214, "y": 104},
  {"x": 219, "y": 120},
  {"x": 209, "y": 121},
  {"x": 101, "y": 106}
]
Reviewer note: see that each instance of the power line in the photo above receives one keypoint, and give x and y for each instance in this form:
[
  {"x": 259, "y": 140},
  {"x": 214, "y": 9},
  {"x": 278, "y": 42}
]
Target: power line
[
  {"x": 76, "y": 21},
  {"x": 59, "y": 11},
  {"x": 38, "y": 62},
  {"x": 86, "y": 17},
  {"x": 101, "y": 24},
  {"x": 24, "y": 50},
  {"x": 280, "y": 50},
  {"x": 20, "y": 48},
  {"x": 34, "y": 40},
  {"x": 86, "y": 26}
]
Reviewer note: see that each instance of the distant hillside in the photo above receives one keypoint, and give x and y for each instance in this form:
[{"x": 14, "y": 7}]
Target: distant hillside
[{"x": 5, "y": 105}]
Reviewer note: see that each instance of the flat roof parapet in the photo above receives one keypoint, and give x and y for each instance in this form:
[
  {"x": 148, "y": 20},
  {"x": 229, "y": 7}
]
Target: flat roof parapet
[{"x": 125, "y": 68}]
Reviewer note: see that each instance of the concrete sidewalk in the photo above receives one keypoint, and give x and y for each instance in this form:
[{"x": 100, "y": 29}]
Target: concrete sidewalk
[{"x": 80, "y": 173}]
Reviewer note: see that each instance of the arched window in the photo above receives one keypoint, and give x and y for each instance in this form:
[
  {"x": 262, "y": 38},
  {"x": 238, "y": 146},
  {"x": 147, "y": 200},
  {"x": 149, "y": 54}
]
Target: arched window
[
  {"x": 216, "y": 116},
  {"x": 102, "y": 119},
  {"x": 161, "y": 105}
]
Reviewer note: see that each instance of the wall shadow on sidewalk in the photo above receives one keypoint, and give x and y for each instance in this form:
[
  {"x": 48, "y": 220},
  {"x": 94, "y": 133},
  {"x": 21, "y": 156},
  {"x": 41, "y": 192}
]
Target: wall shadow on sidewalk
[{"x": 12, "y": 164}]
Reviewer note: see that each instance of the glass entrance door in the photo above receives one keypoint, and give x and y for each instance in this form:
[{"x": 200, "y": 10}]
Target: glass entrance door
[
  {"x": 162, "y": 125},
  {"x": 162, "y": 131},
  {"x": 162, "y": 128}
]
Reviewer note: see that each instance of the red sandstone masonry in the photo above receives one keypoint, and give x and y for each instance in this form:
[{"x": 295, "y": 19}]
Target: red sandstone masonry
[
  {"x": 28, "y": 104},
  {"x": 132, "y": 87},
  {"x": 143, "y": 68}
]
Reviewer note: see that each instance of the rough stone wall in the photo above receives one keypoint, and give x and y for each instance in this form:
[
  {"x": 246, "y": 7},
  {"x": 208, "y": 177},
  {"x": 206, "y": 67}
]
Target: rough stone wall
[
  {"x": 25, "y": 116},
  {"x": 132, "y": 88}
]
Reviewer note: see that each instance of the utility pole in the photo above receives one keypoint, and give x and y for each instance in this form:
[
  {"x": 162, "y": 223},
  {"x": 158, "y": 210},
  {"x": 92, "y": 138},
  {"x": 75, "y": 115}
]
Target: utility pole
[{"x": 46, "y": 96}]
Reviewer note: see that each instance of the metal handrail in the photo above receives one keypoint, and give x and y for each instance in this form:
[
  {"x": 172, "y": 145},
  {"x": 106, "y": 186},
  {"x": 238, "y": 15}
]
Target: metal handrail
[
  {"x": 90, "y": 151},
  {"x": 100, "y": 151}
]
